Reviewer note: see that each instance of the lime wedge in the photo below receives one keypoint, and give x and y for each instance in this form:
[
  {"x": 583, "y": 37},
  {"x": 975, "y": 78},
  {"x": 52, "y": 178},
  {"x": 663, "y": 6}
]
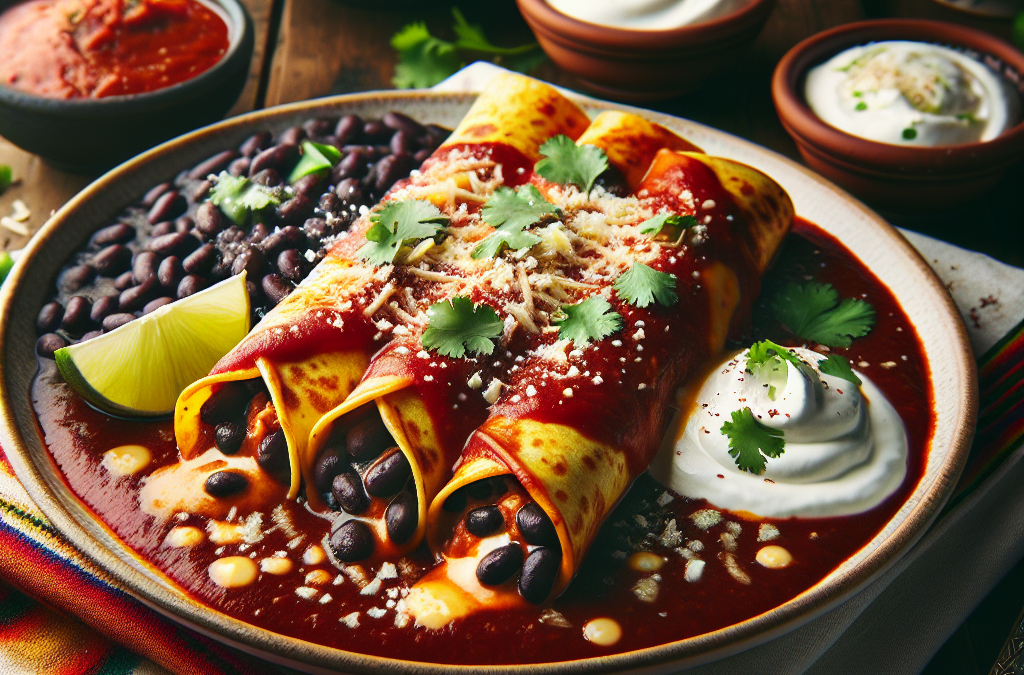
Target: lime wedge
[{"x": 139, "y": 369}]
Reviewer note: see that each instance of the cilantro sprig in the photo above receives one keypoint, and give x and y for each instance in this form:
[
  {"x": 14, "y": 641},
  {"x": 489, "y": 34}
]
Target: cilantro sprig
[
  {"x": 837, "y": 366},
  {"x": 813, "y": 312},
  {"x": 566, "y": 163},
  {"x": 397, "y": 223},
  {"x": 766, "y": 361},
  {"x": 511, "y": 212},
  {"x": 641, "y": 285},
  {"x": 458, "y": 326},
  {"x": 238, "y": 197},
  {"x": 424, "y": 60},
  {"x": 592, "y": 319},
  {"x": 751, "y": 443},
  {"x": 667, "y": 226}
]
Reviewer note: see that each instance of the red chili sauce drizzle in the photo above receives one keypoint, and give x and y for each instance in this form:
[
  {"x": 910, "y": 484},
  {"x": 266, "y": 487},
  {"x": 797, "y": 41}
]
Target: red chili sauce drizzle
[
  {"x": 72, "y": 49},
  {"x": 77, "y": 436}
]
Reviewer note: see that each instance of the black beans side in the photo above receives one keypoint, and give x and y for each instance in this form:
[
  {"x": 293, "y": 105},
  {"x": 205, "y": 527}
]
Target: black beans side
[
  {"x": 47, "y": 344},
  {"x": 50, "y": 317}
]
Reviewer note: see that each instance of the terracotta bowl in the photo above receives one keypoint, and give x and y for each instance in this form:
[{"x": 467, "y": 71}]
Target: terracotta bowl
[
  {"x": 890, "y": 176},
  {"x": 90, "y": 135},
  {"x": 644, "y": 65}
]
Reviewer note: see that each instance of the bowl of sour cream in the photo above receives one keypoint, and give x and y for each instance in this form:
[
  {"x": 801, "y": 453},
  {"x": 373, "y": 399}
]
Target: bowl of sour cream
[
  {"x": 910, "y": 115},
  {"x": 645, "y": 49}
]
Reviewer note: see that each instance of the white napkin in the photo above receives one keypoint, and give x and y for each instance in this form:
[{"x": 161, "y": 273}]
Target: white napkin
[{"x": 896, "y": 623}]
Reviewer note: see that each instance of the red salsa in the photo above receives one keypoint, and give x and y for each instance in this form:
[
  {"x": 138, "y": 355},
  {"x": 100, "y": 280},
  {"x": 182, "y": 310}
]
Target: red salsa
[
  {"x": 308, "y": 598},
  {"x": 73, "y": 49}
]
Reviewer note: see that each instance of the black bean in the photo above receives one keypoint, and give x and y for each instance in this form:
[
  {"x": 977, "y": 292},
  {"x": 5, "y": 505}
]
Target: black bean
[
  {"x": 154, "y": 194},
  {"x": 275, "y": 288},
  {"x": 134, "y": 298},
  {"x": 349, "y": 493},
  {"x": 353, "y": 165},
  {"x": 227, "y": 404},
  {"x": 184, "y": 224},
  {"x": 252, "y": 145},
  {"x": 178, "y": 243},
  {"x": 49, "y": 317},
  {"x": 47, "y": 344},
  {"x": 90, "y": 335},
  {"x": 255, "y": 293},
  {"x": 349, "y": 191},
  {"x": 272, "y": 455},
  {"x": 104, "y": 307},
  {"x": 329, "y": 203},
  {"x": 484, "y": 520},
  {"x": 480, "y": 489},
  {"x": 392, "y": 168},
  {"x": 368, "y": 439},
  {"x": 421, "y": 156},
  {"x": 388, "y": 475},
  {"x": 232, "y": 235},
  {"x": 349, "y": 129},
  {"x": 201, "y": 260},
  {"x": 125, "y": 281},
  {"x": 169, "y": 205},
  {"x": 144, "y": 266},
  {"x": 154, "y": 305},
  {"x": 318, "y": 128},
  {"x": 539, "y": 574},
  {"x": 73, "y": 278},
  {"x": 308, "y": 184},
  {"x": 160, "y": 229},
  {"x": 202, "y": 189},
  {"x": 287, "y": 237},
  {"x": 292, "y": 265},
  {"x": 229, "y": 437},
  {"x": 267, "y": 178},
  {"x": 115, "y": 321},
  {"x": 500, "y": 565},
  {"x": 239, "y": 167},
  {"x": 112, "y": 260},
  {"x": 438, "y": 133},
  {"x": 212, "y": 165},
  {"x": 119, "y": 233},
  {"x": 279, "y": 157},
  {"x": 376, "y": 131},
  {"x": 535, "y": 526},
  {"x": 76, "y": 315},
  {"x": 455, "y": 502},
  {"x": 226, "y": 484},
  {"x": 317, "y": 227},
  {"x": 295, "y": 210},
  {"x": 292, "y": 136},
  {"x": 331, "y": 502},
  {"x": 251, "y": 261},
  {"x": 401, "y": 517},
  {"x": 170, "y": 272},
  {"x": 402, "y": 142},
  {"x": 352, "y": 541},
  {"x": 258, "y": 233},
  {"x": 328, "y": 465},
  {"x": 400, "y": 122},
  {"x": 190, "y": 285},
  {"x": 209, "y": 220}
]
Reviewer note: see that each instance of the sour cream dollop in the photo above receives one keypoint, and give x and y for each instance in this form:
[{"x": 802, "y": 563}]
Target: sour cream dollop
[
  {"x": 845, "y": 446},
  {"x": 646, "y": 14},
  {"x": 911, "y": 93}
]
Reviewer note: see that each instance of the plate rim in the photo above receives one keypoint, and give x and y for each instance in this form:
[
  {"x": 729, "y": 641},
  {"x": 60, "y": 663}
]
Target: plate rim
[{"x": 826, "y": 594}]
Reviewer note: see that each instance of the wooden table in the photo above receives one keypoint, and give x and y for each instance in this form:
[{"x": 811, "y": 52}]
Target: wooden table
[{"x": 310, "y": 48}]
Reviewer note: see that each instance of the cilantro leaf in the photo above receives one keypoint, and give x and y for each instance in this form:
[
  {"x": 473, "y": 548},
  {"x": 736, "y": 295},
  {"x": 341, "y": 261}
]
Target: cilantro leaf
[
  {"x": 315, "y": 157},
  {"x": 837, "y": 366},
  {"x": 673, "y": 223},
  {"x": 472, "y": 37},
  {"x": 766, "y": 361},
  {"x": 511, "y": 212},
  {"x": 237, "y": 197},
  {"x": 592, "y": 319},
  {"x": 813, "y": 312},
  {"x": 567, "y": 163},
  {"x": 641, "y": 285},
  {"x": 397, "y": 223},
  {"x": 423, "y": 60},
  {"x": 752, "y": 443},
  {"x": 457, "y": 326}
]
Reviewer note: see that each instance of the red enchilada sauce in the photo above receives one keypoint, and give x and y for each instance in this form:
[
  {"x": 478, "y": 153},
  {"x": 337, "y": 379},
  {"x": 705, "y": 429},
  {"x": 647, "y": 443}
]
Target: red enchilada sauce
[
  {"x": 314, "y": 601},
  {"x": 72, "y": 49}
]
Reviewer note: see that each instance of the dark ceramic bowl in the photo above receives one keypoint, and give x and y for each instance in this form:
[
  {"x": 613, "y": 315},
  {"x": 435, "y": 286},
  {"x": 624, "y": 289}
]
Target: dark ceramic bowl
[
  {"x": 90, "y": 135},
  {"x": 645, "y": 64},
  {"x": 896, "y": 177}
]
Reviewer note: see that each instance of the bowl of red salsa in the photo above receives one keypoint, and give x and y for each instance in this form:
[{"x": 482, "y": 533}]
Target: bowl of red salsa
[{"x": 88, "y": 83}]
